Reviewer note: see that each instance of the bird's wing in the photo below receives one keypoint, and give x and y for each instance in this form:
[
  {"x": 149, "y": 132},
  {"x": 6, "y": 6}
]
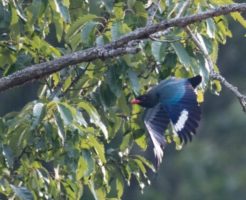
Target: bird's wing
[
  {"x": 185, "y": 114},
  {"x": 156, "y": 121}
]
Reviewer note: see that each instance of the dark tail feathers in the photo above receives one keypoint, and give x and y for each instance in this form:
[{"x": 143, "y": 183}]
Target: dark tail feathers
[{"x": 195, "y": 81}]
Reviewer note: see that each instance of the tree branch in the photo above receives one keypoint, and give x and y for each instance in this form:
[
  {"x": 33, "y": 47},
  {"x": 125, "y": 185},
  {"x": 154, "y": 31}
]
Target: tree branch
[
  {"x": 215, "y": 75},
  {"x": 124, "y": 45},
  {"x": 234, "y": 90}
]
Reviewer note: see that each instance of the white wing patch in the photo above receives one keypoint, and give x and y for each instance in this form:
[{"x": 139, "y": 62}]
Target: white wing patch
[
  {"x": 158, "y": 151},
  {"x": 179, "y": 125},
  {"x": 156, "y": 121}
]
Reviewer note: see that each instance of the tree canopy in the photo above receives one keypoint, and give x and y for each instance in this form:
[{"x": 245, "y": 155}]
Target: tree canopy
[{"x": 81, "y": 137}]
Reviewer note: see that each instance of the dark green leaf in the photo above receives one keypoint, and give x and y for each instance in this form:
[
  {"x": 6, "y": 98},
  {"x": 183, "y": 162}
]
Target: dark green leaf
[
  {"x": 95, "y": 118},
  {"x": 38, "y": 113},
  {"x": 65, "y": 112},
  {"x": 183, "y": 56},
  {"x": 22, "y": 192},
  {"x": 158, "y": 50},
  {"x": 134, "y": 81},
  {"x": 8, "y": 155}
]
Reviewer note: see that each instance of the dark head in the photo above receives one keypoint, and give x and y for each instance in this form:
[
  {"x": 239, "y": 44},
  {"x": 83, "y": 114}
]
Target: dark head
[
  {"x": 195, "y": 81},
  {"x": 147, "y": 100}
]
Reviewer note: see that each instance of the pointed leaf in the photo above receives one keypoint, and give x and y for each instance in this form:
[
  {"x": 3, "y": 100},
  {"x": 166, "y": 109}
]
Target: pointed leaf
[
  {"x": 158, "y": 50},
  {"x": 60, "y": 127},
  {"x": 134, "y": 81},
  {"x": 211, "y": 28},
  {"x": 8, "y": 155},
  {"x": 65, "y": 113},
  {"x": 94, "y": 116},
  {"x": 183, "y": 56},
  {"x": 22, "y": 192},
  {"x": 38, "y": 113}
]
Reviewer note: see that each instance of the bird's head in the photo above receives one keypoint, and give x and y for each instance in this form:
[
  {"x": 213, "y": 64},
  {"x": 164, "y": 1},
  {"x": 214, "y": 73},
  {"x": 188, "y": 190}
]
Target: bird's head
[{"x": 146, "y": 101}]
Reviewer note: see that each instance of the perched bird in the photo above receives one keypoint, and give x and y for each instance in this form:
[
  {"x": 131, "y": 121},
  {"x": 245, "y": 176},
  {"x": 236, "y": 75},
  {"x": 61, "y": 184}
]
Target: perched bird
[{"x": 171, "y": 101}]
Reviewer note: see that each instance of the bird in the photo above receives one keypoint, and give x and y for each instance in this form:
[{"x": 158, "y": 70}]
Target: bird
[{"x": 173, "y": 101}]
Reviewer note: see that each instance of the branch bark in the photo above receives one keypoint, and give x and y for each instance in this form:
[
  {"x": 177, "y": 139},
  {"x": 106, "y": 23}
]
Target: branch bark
[{"x": 124, "y": 45}]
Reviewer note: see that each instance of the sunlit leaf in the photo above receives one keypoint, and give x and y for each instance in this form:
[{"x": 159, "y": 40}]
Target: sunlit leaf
[
  {"x": 211, "y": 28},
  {"x": 60, "y": 127},
  {"x": 38, "y": 113},
  {"x": 65, "y": 113},
  {"x": 95, "y": 118},
  {"x": 62, "y": 10},
  {"x": 238, "y": 17},
  {"x": 200, "y": 96}
]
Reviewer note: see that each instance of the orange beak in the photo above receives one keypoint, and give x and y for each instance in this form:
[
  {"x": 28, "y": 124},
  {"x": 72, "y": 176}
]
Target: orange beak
[{"x": 135, "y": 101}]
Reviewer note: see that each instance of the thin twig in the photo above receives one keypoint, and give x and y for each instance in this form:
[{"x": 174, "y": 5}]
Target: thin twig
[
  {"x": 234, "y": 89},
  {"x": 215, "y": 75}
]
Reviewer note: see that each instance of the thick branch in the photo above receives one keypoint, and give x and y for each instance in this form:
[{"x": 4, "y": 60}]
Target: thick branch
[{"x": 113, "y": 49}]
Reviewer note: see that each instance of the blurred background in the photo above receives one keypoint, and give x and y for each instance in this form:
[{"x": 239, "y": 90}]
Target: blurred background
[{"x": 213, "y": 166}]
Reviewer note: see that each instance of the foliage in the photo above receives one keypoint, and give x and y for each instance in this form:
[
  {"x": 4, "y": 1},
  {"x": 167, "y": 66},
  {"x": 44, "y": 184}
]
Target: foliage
[{"x": 79, "y": 134}]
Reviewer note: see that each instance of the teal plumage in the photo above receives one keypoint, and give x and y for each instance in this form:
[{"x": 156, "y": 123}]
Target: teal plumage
[{"x": 171, "y": 101}]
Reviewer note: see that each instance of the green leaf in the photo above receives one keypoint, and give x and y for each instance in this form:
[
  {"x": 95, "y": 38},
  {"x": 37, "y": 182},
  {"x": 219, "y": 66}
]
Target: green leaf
[
  {"x": 106, "y": 95},
  {"x": 38, "y": 8},
  {"x": 62, "y": 10},
  {"x": 118, "y": 10},
  {"x": 109, "y": 4},
  {"x": 134, "y": 81},
  {"x": 20, "y": 11},
  {"x": 141, "y": 141},
  {"x": 78, "y": 24},
  {"x": 87, "y": 33},
  {"x": 85, "y": 166},
  {"x": 131, "y": 3},
  {"x": 113, "y": 80},
  {"x": 99, "y": 148},
  {"x": 67, "y": 83},
  {"x": 38, "y": 114},
  {"x": 216, "y": 87},
  {"x": 126, "y": 142},
  {"x": 65, "y": 113},
  {"x": 97, "y": 192},
  {"x": 8, "y": 155},
  {"x": 60, "y": 127},
  {"x": 94, "y": 116},
  {"x": 119, "y": 186},
  {"x": 238, "y": 17},
  {"x": 81, "y": 168},
  {"x": 59, "y": 25},
  {"x": 211, "y": 28},
  {"x": 146, "y": 162},
  {"x": 22, "y": 192},
  {"x": 158, "y": 50},
  {"x": 116, "y": 30},
  {"x": 206, "y": 44},
  {"x": 183, "y": 56}
]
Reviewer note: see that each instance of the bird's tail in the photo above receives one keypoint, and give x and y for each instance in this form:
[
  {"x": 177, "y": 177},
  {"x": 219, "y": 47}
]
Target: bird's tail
[{"x": 195, "y": 81}]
